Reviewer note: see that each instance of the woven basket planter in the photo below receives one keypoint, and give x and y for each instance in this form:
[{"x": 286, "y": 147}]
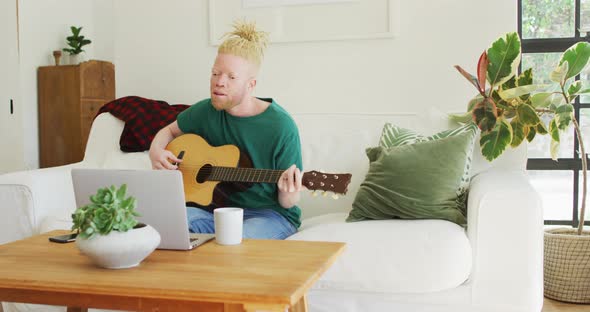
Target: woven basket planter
[{"x": 567, "y": 265}]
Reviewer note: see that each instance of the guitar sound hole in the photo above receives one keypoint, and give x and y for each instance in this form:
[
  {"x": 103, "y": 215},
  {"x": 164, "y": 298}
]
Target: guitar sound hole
[{"x": 204, "y": 173}]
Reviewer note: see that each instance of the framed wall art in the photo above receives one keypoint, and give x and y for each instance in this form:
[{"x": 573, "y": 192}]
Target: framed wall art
[{"x": 308, "y": 20}]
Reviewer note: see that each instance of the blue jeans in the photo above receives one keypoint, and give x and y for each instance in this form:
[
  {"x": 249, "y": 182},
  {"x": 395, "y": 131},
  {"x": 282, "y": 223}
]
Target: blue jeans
[{"x": 258, "y": 223}]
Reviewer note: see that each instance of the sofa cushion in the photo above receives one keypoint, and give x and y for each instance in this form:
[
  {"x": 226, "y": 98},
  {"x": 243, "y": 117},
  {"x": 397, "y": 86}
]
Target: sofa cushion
[
  {"x": 425, "y": 180},
  {"x": 393, "y": 135},
  {"x": 392, "y": 256}
]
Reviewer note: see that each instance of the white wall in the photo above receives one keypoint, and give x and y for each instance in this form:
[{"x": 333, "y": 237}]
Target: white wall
[
  {"x": 161, "y": 50},
  {"x": 44, "y": 25}
]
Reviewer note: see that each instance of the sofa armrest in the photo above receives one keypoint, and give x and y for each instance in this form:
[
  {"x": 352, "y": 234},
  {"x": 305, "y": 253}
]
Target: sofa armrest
[
  {"x": 33, "y": 199},
  {"x": 505, "y": 228},
  {"x": 17, "y": 209}
]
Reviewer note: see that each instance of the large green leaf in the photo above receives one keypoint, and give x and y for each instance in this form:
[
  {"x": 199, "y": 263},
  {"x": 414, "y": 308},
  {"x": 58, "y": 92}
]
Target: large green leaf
[
  {"x": 519, "y": 91},
  {"x": 485, "y": 114},
  {"x": 518, "y": 133},
  {"x": 504, "y": 57},
  {"x": 544, "y": 99},
  {"x": 495, "y": 142},
  {"x": 563, "y": 116},
  {"x": 577, "y": 58},
  {"x": 527, "y": 115}
]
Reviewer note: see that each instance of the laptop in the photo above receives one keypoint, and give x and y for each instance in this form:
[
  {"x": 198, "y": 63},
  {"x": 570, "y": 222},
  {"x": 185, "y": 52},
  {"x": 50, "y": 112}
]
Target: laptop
[{"x": 160, "y": 201}]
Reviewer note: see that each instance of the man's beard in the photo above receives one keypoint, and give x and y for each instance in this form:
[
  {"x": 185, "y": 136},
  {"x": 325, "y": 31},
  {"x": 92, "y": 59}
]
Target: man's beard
[
  {"x": 227, "y": 104},
  {"x": 223, "y": 105}
]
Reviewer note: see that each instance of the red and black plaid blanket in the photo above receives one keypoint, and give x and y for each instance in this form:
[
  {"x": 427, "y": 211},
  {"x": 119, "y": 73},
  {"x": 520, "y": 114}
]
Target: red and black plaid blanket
[{"x": 143, "y": 119}]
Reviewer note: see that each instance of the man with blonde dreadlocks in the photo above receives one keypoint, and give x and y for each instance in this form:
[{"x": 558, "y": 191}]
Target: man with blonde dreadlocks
[{"x": 259, "y": 127}]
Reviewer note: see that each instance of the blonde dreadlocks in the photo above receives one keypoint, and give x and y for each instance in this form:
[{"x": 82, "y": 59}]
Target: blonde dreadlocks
[{"x": 245, "y": 41}]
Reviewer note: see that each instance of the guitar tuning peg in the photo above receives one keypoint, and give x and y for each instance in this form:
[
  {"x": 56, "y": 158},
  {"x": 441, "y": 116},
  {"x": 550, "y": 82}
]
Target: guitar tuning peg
[
  {"x": 335, "y": 196},
  {"x": 314, "y": 194},
  {"x": 324, "y": 193}
]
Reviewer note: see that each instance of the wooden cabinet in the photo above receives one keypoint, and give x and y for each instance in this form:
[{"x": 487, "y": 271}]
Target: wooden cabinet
[{"x": 69, "y": 97}]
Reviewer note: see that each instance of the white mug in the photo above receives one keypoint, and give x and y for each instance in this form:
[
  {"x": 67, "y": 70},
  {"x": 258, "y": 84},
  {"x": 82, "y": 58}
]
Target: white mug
[{"x": 228, "y": 225}]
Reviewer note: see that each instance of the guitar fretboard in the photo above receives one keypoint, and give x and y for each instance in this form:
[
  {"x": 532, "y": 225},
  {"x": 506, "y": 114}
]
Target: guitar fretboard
[{"x": 231, "y": 174}]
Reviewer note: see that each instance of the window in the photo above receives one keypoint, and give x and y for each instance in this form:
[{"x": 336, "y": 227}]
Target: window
[{"x": 548, "y": 28}]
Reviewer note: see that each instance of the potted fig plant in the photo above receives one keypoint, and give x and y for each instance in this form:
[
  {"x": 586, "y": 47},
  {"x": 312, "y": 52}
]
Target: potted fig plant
[
  {"x": 109, "y": 232},
  {"x": 76, "y": 42},
  {"x": 509, "y": 109}
]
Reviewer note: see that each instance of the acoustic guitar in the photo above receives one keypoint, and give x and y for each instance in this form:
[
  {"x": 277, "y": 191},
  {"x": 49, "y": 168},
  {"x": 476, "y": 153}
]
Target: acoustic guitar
[{"x": 204, "y": 167}]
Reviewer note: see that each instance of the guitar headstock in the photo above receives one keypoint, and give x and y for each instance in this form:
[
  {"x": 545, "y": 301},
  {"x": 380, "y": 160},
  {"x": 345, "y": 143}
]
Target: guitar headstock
[{"x": 327, "y": 182}]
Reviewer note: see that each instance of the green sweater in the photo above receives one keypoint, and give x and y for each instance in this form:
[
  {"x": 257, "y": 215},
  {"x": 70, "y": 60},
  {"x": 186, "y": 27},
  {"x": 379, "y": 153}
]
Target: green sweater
[{"x": 270, "y": 139}]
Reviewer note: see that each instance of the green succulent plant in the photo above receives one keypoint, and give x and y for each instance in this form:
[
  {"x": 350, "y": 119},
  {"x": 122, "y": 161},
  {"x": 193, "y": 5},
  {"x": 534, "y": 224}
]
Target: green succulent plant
[
  {"x": 108, "y": 211},
  {"x": 510, "y": 109},
  {"x": 76, "y": 42}
]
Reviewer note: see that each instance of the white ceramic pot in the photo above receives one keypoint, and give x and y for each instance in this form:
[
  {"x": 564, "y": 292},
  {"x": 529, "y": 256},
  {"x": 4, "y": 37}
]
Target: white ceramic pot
[
  {"x": 120, "y": 250},
  {"x": 76, "y": 59}
]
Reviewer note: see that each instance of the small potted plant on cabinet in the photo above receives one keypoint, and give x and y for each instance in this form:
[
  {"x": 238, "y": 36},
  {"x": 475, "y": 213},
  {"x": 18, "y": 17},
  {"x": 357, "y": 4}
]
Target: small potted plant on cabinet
[{"x": 76, "y": 42}]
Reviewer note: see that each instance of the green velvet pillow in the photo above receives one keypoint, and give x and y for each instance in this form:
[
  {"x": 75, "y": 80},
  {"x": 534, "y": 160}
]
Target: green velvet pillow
[
  {"x": 423, "y": 180},
  {"x": 396, "y": 136}
]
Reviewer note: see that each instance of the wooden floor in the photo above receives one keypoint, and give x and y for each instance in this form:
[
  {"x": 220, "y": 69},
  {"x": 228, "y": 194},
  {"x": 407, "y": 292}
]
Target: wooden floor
[
  {"x": 548, "y": 306},
  {"x": 558, "y": 306}
]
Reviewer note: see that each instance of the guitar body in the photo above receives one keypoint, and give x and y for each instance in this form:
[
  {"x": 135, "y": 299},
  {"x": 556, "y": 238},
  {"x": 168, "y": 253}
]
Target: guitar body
[{"x": 198, "y": 153}]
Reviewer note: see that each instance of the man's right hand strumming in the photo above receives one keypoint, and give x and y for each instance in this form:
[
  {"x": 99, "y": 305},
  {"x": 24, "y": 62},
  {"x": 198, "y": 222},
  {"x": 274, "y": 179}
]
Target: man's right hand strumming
[
  {"x": 163, "y": 159},
  {"x": 159, "y": 156}
]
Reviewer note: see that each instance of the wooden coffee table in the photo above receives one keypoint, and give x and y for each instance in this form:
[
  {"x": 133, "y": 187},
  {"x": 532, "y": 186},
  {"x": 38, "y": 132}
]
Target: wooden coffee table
[{"x": 267, "y": 275}]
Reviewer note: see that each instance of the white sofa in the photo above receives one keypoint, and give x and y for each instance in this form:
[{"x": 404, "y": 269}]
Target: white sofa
[{"x": 495, "y": 264}]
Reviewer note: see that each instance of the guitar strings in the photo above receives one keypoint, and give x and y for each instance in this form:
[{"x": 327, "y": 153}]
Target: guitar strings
[
  {"x": 237, "y": 174},
  {"x": 231, "y": 168},
  {"x": 240, "y": 169}
]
